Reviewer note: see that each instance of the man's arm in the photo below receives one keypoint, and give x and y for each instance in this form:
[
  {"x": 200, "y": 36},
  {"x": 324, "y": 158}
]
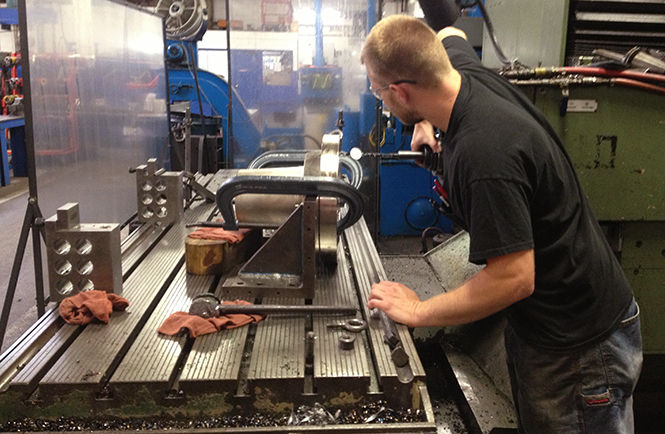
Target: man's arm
[
  {"x": 423, "y": 131},
  {"x": 505, "y": 280},
  {"x": 451, "y": 31}
]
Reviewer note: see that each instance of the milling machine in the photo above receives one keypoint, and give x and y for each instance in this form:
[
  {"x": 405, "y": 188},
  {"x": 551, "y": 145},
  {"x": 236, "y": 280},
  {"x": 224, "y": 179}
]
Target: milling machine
[{"x": 285, "y": 362}]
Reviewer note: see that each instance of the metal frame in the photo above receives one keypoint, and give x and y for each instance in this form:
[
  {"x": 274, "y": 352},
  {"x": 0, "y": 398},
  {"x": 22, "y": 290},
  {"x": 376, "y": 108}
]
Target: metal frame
[{"x": 33, "y": 220}]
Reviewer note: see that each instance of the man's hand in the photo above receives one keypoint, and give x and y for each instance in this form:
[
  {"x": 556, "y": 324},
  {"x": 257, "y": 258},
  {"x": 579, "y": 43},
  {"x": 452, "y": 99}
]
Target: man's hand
[
  {"x": 396, "y": 300},
  {"x": 505, "y": 280},
  {"x": 423, "y": 135}
]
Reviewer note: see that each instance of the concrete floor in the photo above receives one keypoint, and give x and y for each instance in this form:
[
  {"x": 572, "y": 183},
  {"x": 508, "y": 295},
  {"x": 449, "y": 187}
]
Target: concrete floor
[{"x": 13, "y": 204}]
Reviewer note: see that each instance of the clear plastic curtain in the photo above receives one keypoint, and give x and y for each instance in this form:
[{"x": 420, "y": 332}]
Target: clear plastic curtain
[{"x": 98, "y": 89}]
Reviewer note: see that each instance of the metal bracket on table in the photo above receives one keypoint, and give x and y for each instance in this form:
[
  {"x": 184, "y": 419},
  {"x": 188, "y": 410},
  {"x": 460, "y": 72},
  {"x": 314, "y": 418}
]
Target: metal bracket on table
[{"x": 276, "y": 271}]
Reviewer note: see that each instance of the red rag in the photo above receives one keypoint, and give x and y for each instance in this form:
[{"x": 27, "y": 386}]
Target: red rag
[
  {"x": 219, "y": 234},
  {"x": 197, "y": 326},
  {"x": 194, "y": 324},
  {"x": 83, "y": 307},
  {"x": 233, "y": 320}
]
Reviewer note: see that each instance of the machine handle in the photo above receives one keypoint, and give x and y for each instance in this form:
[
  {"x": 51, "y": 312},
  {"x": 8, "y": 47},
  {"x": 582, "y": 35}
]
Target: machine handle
[{"x": 320, "y": 186}]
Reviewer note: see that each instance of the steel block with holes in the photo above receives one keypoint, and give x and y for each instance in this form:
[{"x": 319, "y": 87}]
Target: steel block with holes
[
  {"x": 81, "y": 256},
  {"x": 159, "y": 194}
]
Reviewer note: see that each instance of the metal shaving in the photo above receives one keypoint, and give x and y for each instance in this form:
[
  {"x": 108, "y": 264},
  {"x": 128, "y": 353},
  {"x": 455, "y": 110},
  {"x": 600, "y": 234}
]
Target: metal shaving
[
  {"x": 378, "y": 412},
  {"x": 314, "y": 415},
  {"x": 374, "y": 412}
]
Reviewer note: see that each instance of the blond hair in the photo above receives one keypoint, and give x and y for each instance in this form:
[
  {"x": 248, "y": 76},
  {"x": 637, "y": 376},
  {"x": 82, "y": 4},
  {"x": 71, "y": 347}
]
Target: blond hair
[{"x": 400, "y": 47}]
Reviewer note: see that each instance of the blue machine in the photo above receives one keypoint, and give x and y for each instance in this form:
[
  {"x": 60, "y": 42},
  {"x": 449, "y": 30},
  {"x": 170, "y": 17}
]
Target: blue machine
[
  {"x": 182, "y": 87},
  {"x": 408, "y": 202},
  {"x": 271, "y": 97},
  {"x": 264, "y": 107},
  {"x": 321, "y": 85},
  {"x": 275, "y": 96},
  {"x": 268, "y": 86}
]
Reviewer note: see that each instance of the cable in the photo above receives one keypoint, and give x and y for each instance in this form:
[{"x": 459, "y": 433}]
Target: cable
[
  {"x": 371, "y": 140},
  {"x": 638, "y": 84},
  {"x": 568, "y": 81},
  {"x": 190, "y": 60},
  {"x": 423, "y": 237},
  {"x": 495, "y": 43},
  {"x": 582, "y": 70},
  {"x": 613, "y": 73}
]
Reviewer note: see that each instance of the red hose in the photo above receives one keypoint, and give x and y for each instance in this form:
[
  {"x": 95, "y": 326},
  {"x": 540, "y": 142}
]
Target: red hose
[
  {"x": 587, "y": 70},
  {"x": 639, "y": 84}
]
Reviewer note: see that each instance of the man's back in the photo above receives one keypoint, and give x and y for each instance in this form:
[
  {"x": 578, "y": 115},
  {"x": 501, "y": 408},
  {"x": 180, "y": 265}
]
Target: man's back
[{"x": 513, "y": 186}]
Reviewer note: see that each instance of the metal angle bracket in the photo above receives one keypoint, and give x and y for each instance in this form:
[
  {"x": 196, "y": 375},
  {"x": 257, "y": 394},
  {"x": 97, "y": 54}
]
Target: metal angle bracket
[{"x": 285, "y": 265}]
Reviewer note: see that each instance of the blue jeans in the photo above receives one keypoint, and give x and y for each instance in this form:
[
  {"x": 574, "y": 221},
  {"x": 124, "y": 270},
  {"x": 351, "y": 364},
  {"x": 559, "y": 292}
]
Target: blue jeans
[{"x": 588, "y": 390}]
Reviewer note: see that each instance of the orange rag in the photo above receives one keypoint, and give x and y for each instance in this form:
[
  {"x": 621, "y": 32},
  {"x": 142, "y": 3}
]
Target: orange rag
[
  {"x": 197, "y": 326},
  {"x": 83, "y": 307},
  {"x": 219, "y": 234}
]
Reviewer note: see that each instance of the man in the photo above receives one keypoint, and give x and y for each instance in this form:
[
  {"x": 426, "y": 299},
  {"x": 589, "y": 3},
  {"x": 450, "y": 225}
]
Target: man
[{"x": 573, "y": 335}]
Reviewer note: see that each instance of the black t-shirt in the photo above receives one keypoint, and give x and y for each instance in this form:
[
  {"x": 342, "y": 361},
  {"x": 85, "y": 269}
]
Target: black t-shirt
[{"x": 512, "y": 185}]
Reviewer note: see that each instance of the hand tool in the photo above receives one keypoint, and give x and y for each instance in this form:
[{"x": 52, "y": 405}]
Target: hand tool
[
  {"x": 354, "y": 325},
  {"x": 425, "y": 157},
  {"x": 209, "y": 306},
  {"x": 356, "y": 154}
]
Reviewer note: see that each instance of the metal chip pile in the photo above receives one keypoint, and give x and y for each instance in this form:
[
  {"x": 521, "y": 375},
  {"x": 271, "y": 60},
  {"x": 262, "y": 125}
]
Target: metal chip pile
[{"x": 375, "y": 412}]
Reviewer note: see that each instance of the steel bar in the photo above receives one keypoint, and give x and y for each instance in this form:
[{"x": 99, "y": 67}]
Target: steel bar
[
  {"x": 224, "y": 309},
  {"x": 368, "y": 270},
  {"x": 399, "y": 155}
]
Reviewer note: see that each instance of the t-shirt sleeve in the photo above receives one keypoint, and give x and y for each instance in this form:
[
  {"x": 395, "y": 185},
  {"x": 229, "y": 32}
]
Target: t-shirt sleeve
[
  {"x": 499, "y": 219},
  {"x": 460, "y": 52}
]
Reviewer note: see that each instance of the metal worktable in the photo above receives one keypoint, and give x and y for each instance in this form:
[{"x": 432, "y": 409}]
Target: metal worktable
[{"x": 125, "y": 369}]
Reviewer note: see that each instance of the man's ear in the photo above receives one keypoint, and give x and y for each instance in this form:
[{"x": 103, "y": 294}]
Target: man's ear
[{"x": 402, "y": 93}]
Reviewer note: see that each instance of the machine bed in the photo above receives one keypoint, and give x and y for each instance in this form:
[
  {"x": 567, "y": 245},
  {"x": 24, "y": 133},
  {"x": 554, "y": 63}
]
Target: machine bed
[{"x": 284, "y": 364}]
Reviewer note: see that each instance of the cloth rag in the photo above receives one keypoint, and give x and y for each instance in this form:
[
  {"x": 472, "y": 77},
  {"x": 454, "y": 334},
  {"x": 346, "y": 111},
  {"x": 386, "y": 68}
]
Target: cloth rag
[
  {"x": 219, "y": 234},
  {"x": 85, "y": 306},
  {"x": 198, "y": 326}
]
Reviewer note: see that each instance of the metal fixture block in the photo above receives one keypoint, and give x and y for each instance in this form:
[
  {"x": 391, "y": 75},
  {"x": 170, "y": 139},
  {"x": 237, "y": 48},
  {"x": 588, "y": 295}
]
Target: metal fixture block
[
  {"x": 81, "y": 256},
  {"x": 159, "y": 195}
]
